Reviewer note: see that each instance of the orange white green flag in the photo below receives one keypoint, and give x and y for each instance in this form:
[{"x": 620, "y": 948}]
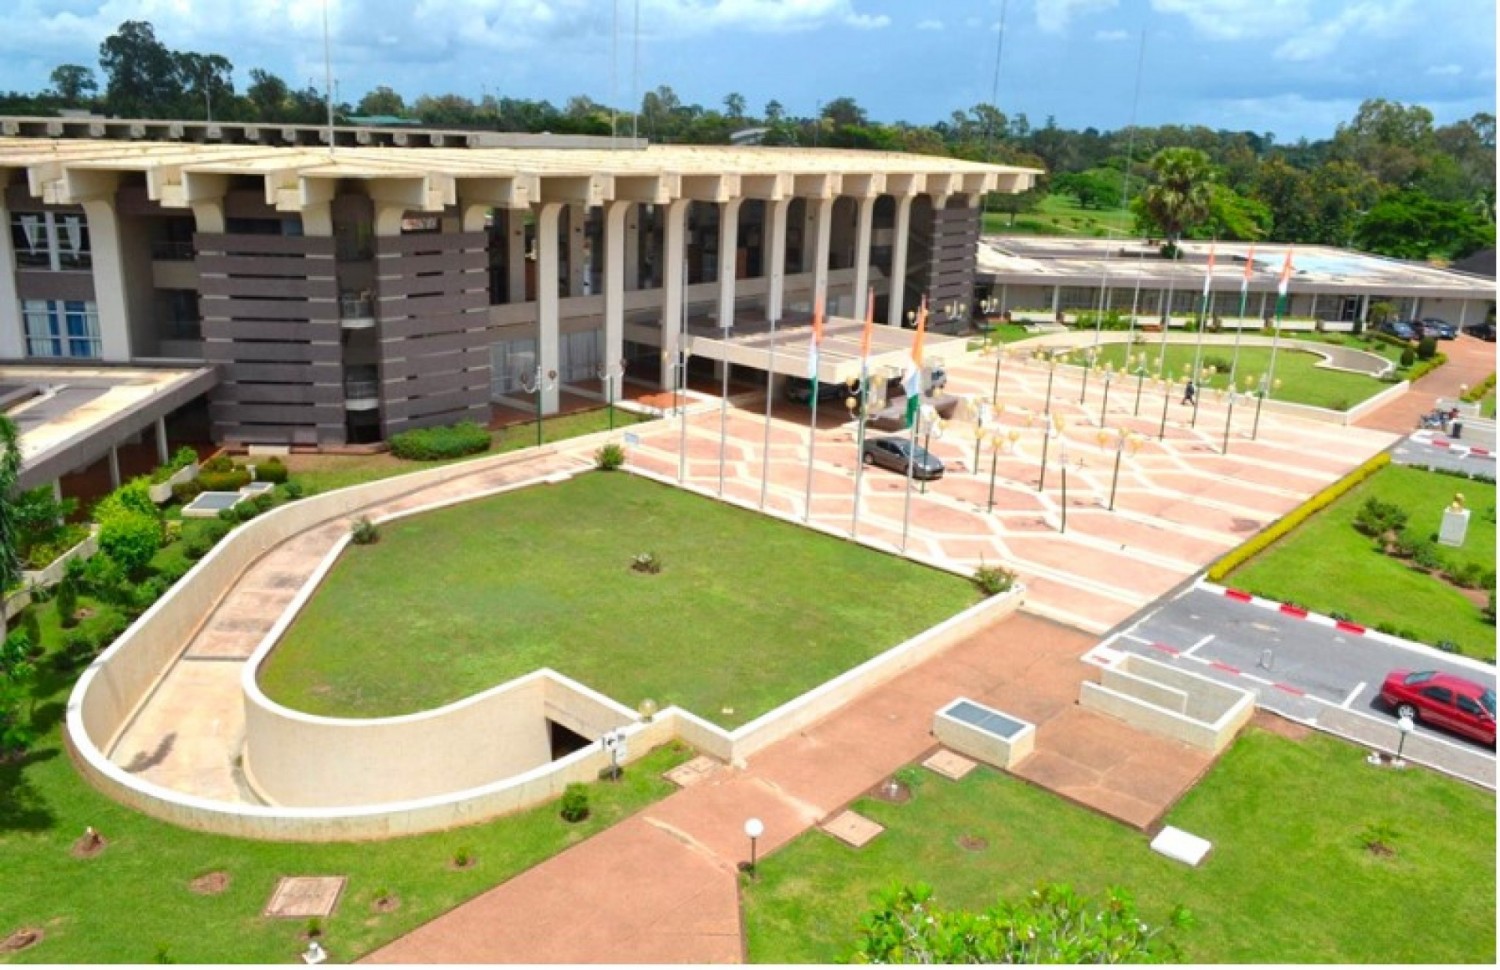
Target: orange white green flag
[
  {"x": 1284, "y": 284},
  {"x": 814, "y": 346},
  {"x": 911, "y": 381},
  {"x": 1208, "y": 277}
]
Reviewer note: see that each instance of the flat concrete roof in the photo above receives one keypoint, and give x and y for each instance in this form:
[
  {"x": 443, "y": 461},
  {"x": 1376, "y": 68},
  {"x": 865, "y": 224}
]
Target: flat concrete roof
[
  {"x": 751, "y": 344},
  {"x": 1063, "y": 261},
  {"x": 70, "y": 417}
]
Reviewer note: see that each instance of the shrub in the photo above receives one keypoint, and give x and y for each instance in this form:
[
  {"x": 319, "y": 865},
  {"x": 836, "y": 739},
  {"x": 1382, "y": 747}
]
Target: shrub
[
  {"x": 293, "y": 490},
  {"x": 271, "y": 470},
  {"x": 185, "y": 493},
  {"x": 1478, "y": 391},
  {"x": 143, "y": 594},
  {"x": 575, "y": 803},
  {"x": 78, "y": 647},
  {"x": 263, "y": 502},
  {"x": 229, "y": 516},
  {"x": 1423, "y": 368},
  {"x": 231, "y": 480},
  {"x": 463, "y": 857},
  {"x": 1221, "y": 364},
  {"x": 1408, "y": 357},
  {"x": 993, "y": 580},
  {"x": 130, "y": 538},
  {"x": 1375, "y": 518},
  {"x": 609, "y": 457},
  {"x": 1469, "y": 575},
  {"x": 67, "y": 602},
  {"x": 1427, "y": 556},
  {"x": 107, "y": 579},
  {"x": 214, "y": 530},
  {"x": 195, "y": 546},
  {"x": 218, "y": 463},
  {"x": 363, "y": 532},
  {"x": 1426, "y": 348},
  {"x": 433, "y": 444},
  {"x": 246, "y": 510},
  {"x": 1236, "y": 557},
  {"x": 646, "y": 562}
]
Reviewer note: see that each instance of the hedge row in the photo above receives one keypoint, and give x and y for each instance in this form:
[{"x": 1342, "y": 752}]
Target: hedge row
[
  {"x": 1478, "y": 391},
  {"x": 432, "y": 444},
  {"x": 1422, "y": 367},
  {"x": 1258, "y": 543}
]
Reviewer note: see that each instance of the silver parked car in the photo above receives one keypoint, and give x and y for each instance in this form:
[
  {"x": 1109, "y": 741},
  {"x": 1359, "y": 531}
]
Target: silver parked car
[{"x": 895, "y": 453}]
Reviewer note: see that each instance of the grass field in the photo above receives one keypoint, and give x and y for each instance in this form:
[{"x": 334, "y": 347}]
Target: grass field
[
  {"x": 1328, "y": 567},
  {"x": 132, "y": 903},
  {"x": 1288, "y": 881},
  {"x": 324, "y": 473},
  {"x": 747, "y": 612},
  {"x": 1060, "y": 215},
  {"x": 1302, "y": 381}
]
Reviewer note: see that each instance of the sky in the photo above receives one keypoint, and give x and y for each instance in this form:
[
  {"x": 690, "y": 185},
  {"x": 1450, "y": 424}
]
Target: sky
[{"x": 1295, "y": 68}]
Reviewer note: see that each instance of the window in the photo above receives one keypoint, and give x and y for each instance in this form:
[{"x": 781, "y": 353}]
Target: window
[
  {"x": 51, "y": 240},
  {"x": 512, "y": 365},
  {"x": 1469, "y": 706},
  {"x": 61, "y": 328},
  {"x": 1441, "y": 695}
]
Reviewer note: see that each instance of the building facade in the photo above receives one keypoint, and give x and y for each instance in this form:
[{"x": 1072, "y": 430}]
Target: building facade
[{"x": 346, "y": 293}]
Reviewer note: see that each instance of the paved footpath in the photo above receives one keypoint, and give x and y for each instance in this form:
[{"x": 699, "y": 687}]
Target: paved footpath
[
  {"x": 662, "y": 887},
  {"x": 1470, "y": 361}
]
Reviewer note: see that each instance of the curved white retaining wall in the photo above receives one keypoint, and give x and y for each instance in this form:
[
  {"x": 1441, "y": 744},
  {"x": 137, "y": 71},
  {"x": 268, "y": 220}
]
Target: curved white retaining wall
[{"x": 336, "y": 779}]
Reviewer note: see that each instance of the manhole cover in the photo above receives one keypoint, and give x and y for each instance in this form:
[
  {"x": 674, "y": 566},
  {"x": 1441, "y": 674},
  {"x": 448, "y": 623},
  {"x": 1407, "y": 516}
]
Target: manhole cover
[
  {"x": 302, "y": 896},
  {"x": 689, "y": 774},
  {"x": 949, "y": 764},
  {"x": 853, "y": 829}
]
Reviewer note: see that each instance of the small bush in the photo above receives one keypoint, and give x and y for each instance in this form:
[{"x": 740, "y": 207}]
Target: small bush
[
  {"x": 130, "y": 538},
  {"x": 1221, "y": 364},
  {"x": 196, "y": 546},
  {"x": 67, "y": 602},
  {"x": 434, "y": 444},
  {"x": 1408, "y": 357},
  {"x": 143, "y": 594},
  {"x": 232, "y": 480},
  {"x": 293, "y": 490},
  {"x": 218, "y": 463},
  {"x": 1469, "y": 575},
  {"x": 245, "y": 511},
  {"x": 363, "y": 532},
  {"x": 271, "y": 470},
  {"x": 185, "y": 493},
  {"x": 229, "y": 516},
  {"x": 463, "y": 857},
  {"x": 646, "y": 562},
  {"x": 1427, "y": 556},
  {"x": 314, "y": 928},
  {"x": 263, "y": 502},
  {"x": 575, "y": 803},
  {"x": 1375, "y": 518},
  {"x": 609, "y": 457},
  {"x": 1427, "y": 348},
  {"x": 993, "y": 580},
  {"x": 214, "y": 530}
]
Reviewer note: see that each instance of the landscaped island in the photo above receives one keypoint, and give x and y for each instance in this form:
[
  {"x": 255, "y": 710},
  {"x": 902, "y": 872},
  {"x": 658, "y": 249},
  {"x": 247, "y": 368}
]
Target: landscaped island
[{"x": 745, "y": 614}]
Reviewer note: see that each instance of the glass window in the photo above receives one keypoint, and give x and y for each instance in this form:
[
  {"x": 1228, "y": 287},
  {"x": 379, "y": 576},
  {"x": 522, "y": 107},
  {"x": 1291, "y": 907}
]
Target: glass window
[
  {"x": 1468, "y": 705},
  {"x": 61, "y": 328},
  {"x": 50, "y": 240},
  {"x": 28, "y": 237},
  {"x": 1440, "y": 694}
]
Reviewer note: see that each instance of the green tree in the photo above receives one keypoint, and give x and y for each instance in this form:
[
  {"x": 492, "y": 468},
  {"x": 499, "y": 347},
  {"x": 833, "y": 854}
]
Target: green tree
[
  {"x": 74, "y": 84},
  {"x": 734, "y": 105},
  {"x": 1388, "y": 139},
  {"x": 1097, "y": 188},
  {"x": 1052, "y": 924},
  {"x": 1234, "y": 216},
  {"x": 1179, "y": 196},
  {"x": 17, "y": 674},
  {"x": 142, "y": 79},
  {"x": 205, "y": 80},
  {"x": 1410, "y": 225},
  {"x": 268, "y": 95},
  {"x": 10, "y": 537},
  {"x": 382, "y": 101}
]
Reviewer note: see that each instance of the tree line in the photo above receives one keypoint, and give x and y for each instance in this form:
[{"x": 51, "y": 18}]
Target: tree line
[{"x": 1390, "y": 180}]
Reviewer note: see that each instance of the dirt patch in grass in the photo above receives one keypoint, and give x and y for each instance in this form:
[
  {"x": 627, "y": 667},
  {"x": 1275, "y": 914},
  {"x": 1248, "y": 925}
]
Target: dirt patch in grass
[
  {"x": 386, "y": 904},
  {"x": 89, "y": 844},
  {"x": 21, "y": 939},
  {"x": 210, "y": 884},
  {"x": 892, "y": 790},
  {"x": 1280, "y": 726},
  {"x": 972, "y": 843}
]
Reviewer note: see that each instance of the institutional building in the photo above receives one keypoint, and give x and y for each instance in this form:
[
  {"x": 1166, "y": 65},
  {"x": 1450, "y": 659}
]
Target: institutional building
[{"x": 344, "y": 285}]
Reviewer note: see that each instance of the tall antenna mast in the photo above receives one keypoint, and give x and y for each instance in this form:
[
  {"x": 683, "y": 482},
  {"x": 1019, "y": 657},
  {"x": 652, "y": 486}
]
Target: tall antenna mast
[
  {"x": 328, "y": 76},
  {"x": 635, "y": 76},
  {"x": 989, "y": 132}
]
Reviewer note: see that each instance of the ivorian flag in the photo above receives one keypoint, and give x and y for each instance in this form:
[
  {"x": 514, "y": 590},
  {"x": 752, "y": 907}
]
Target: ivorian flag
[
  {"x": 1208, "y": 278},
  {"x": 1249, "y": 271},
  {"x": 812, "y": 348},
  {"x": 911, "y": 383},
  {"x": 1284, "y": 284}
]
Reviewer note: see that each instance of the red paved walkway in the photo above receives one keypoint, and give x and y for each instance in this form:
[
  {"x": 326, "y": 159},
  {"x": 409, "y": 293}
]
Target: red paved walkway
[
  {"x": 1470, "y": 360},
  {"x": 661, "y": 887}
]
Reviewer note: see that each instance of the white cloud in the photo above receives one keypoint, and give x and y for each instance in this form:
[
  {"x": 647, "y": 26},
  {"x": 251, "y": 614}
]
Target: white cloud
[
  {"x": 1110, "y": 36},
  {"x": 1053, "y": 16},
  {"x": 930, "y": 25},
  {"x": 1445, "y": 70},
  {"x": 1239, "y": 19},
  {"x": 1365, "y": 18}
]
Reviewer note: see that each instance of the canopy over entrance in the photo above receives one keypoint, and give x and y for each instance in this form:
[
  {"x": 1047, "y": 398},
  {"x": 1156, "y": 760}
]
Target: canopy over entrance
[{"x": 750, "y": 345}]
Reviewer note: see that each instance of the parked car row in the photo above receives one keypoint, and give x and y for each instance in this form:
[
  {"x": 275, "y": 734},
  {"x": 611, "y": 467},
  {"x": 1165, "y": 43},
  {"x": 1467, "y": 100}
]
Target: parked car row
[
  {"x": 1455, "y": 704},
  {"x": 1484, "y": 330},
  {"x": 1417, "y": 329}
]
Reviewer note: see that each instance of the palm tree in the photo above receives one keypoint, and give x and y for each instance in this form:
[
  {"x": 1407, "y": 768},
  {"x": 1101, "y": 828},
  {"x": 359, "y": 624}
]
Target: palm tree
[{"x": 1178, "y": 197}]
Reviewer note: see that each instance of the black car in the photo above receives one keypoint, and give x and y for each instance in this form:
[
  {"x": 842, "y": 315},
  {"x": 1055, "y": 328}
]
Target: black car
[
  {"x": 1398, "y": 328},
  {"x": 1484, "y": 330},
  {"x": 1435, "y": 327},
  {"x": 799, "y": 391},
  {"x": 895, "y": 452}
]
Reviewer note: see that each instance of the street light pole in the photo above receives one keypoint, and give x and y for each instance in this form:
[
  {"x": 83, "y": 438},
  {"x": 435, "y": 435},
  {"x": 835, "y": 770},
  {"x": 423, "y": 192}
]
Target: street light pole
[
  {"x": 1166, "y": 401},
  {"x": 1062, "y": 448},
  {"x": 1109, "y": 378},
  {"x": 540, "y": 383}
]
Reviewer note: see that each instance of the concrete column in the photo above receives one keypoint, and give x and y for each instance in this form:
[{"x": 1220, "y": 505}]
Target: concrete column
[
  {"x": 729, "y": 241},
  {"x": 1057, "y": 301},
  {"x": 897, "y": 311},
  {"x": 616, "y": 214},
  {"x": 515, "y": 254},
  {"x": 110, "y": 283},
  {"x": 672, "y": 282},
  {"x": 1263, "y": 305},
  {"x": 548, "y": 354},
  {"x": 1364, "y": 308},
  {"x": 12, "y": 329},
  {"x": 863, "y": 231},
  {"x": 114, "y": 467},
  {"x": 822, "y": 212},
  {"x": 1314, "y": 311},
  {"x": 576, "y": 268},
  {"x": 161, "y": 440},
  {"x": 775, "y": 235}
]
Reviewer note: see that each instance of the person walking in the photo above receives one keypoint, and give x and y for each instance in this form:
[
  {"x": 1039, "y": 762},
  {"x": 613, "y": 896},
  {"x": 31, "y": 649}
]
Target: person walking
[{"x": 1189, "y": 393}]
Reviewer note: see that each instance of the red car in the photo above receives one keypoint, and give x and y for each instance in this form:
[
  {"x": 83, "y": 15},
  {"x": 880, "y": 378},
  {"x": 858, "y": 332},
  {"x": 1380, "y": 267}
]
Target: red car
[{"x": 1442, "y": 700}]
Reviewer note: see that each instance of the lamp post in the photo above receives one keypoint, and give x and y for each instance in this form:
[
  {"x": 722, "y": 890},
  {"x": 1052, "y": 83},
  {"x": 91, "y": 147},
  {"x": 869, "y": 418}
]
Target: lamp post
[
  {"x": 1109, "y": 378},
  {"x": 1166, "y": 400},
  {"x": 1140, "y": 382},
  {"x": 858, "y": 403},
  {"x": 539, "y": 384},
  {"x": 1089, "y": 358},
  {"x": 1405, "y": 725},
  {"x": 754, "y": 829},
  {"x": 1052, "y": 425},
  {"x": 679, "y": 402},
  {"x": 1266, "y": 384},
  {"x": 1062, "y": 449},
  {"x": 608, "y": 375},
  {"x": 1051, "y": 362},
  {"x": 1000, "y": 355},
  {"x": 994, "y": 437},
  {"x": 1126, "y": 440}
]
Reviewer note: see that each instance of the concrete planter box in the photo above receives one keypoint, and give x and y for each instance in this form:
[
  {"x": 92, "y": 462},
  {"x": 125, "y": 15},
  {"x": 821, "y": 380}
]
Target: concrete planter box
[
  {"x": 1162, "y": 699},
  {"x": 161, "y": 494},
  {"x": 52, "y": 573},
  {"x": 983, "y": 733}
]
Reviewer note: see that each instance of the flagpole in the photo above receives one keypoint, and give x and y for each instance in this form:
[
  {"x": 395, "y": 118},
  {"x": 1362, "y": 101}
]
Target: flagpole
[
  {"x": 913, "y": 388},
  {"x": 1208, "y": 282},
  {"x": 1283, "y": 291},
  {"x": 1234, "y": 361},
  {"x": 725, "y": 328},
  {"x": 682, "y": 378},
  {"x": 1135, "y": 302},
  {"x": 765, "y": 451},
  {"x": 812, "y": 431},
  {"x": 864, "y": 405}
]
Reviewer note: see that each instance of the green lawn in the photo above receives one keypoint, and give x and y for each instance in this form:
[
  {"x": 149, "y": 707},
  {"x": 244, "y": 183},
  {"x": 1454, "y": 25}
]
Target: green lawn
[
  {"x": 132, "y": 903},
  {"x": 746, "y": 614},
  {"x": 324, "y": 473},
  {"x": 1328, "y": 567},
  {"x": 1302, "y": 381},
  {"x": 1060, "y": 215},
  {"x": 1288, "y": 880}
]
